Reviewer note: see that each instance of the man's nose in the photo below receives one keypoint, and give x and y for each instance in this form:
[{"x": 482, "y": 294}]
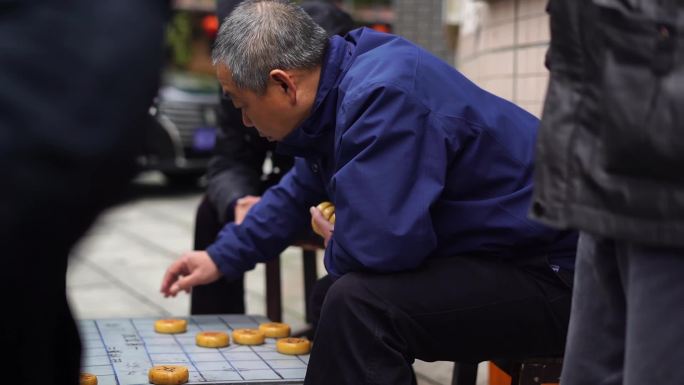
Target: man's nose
[{"x": 246, "y": 120}]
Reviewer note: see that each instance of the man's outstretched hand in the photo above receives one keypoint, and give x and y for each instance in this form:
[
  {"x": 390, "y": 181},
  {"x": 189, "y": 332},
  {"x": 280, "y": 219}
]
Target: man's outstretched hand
[{"x": 191, "y": 269}]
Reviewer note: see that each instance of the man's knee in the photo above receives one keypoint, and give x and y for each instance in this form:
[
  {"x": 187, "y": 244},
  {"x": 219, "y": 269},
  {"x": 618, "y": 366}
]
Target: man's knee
[{"x": 348, "y": 293}]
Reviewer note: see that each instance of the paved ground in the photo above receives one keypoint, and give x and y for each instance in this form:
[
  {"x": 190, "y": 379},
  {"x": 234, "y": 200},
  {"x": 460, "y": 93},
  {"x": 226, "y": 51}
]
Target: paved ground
[{"x": 116, "y": 269}]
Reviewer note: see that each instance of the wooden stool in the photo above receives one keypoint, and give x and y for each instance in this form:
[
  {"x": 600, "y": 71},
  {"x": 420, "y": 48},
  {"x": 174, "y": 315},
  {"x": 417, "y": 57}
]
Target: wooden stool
[
  {"x": 538, "y": 371},
  {"x": 532, "y": 371},
  {"x": 274, "y": 299}
]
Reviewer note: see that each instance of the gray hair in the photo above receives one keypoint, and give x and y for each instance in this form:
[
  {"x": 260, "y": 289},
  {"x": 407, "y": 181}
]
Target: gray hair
[{"x": 262, "y": 35}]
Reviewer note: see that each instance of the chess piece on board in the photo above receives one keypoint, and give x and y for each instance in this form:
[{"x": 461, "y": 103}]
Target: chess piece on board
[{"x": 168, "y": 374}]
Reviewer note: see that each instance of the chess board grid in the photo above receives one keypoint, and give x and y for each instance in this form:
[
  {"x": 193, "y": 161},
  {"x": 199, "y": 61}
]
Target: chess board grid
[{"x": 121, "y": 351}]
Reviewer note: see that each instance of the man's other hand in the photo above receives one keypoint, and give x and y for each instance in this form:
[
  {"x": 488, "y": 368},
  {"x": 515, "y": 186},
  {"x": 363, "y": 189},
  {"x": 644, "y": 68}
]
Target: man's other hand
[
  {"x": 242, "y": 207},
  {"x": 191, "y": 269},
  {"x": 321, "y": 225}
]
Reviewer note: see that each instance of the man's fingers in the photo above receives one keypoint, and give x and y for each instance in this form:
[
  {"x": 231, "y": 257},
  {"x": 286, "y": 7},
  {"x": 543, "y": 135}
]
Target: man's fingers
[
  {"x": 184, "y": 283},
  {"x": 315, "y": 214},
  {"x": 319, "y": 219},
  {"x": 176, "y": 269},
  {"x": 248, "y": 200},
  {"x": 166, "y": 282},
  {"x": 192, "y": 269},
  {"x": 242, "y": 207},
  {"x": 251, "y": 198}
]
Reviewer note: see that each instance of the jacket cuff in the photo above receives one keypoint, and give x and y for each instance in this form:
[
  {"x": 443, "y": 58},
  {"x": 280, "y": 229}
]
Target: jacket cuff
[
  {"x": 328, "y": 262},
  {"x": 224, "y": 266}
]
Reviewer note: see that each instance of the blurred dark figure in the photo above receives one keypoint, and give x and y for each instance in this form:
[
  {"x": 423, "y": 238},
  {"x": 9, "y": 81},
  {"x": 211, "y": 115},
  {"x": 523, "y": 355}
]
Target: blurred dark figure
[
  {"x": 329, "y": 16},
  {"x": 610, "y": 157},
  {"x": 236, "y": 176},
  {"x": 76, "y": 80}
]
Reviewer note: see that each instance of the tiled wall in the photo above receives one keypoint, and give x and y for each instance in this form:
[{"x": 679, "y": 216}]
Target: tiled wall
[
  {"x": 502, "y": 48},
  {"x": 421, "y": 22}
]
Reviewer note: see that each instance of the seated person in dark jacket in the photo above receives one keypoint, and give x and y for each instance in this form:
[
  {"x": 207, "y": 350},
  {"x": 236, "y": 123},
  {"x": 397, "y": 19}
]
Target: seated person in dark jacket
[
  {"x": 236, "y": 174},
  {"x": 432, "y": 254}
]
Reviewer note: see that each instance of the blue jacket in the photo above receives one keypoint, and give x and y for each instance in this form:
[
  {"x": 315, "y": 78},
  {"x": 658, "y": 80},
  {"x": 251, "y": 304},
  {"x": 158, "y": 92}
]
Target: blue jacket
[{"x": 419, "y": 162}]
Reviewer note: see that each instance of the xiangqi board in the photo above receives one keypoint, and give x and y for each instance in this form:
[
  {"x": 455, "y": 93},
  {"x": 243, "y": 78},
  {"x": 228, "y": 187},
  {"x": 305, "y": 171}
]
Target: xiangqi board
[{"x": 121, "y": 352}]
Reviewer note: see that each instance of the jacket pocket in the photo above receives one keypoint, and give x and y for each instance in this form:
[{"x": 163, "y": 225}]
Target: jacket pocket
[{"x": 641, "y": 102}]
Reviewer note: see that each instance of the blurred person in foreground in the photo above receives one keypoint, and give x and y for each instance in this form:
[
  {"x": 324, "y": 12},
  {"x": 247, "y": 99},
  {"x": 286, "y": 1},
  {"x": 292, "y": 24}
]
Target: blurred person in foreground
[
  {"x": 432, "y": 255},
  {"x": 76, "y": 82},
  {"x": 236, "y": 176},
  {"x": 610, "y": 161}
]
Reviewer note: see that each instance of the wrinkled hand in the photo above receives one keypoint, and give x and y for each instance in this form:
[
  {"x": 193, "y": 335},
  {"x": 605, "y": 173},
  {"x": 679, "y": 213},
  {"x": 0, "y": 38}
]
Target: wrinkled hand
[
  {"x": 325, "y": 228},
  {"x": 191, "y": 269},
  {"x": 243, "y": 205}
]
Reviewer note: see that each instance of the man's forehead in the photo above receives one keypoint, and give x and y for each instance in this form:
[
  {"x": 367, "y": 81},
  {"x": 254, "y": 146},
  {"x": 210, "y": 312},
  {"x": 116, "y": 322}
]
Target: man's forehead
[{"x": 225, "y": 76}]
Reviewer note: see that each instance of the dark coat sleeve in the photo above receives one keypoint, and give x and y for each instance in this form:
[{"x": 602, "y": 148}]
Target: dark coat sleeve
[
  {"x": 272, "y": 224},
  {"x": 235, "y": 170}
]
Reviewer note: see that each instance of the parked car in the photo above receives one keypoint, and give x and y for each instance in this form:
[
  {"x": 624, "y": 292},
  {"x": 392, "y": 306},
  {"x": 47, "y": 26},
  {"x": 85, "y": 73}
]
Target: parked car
[{"x": 180, "y": 141}]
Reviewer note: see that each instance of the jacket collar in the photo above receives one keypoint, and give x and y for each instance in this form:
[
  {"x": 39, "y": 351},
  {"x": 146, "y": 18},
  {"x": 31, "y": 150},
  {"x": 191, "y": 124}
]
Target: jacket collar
[{"x": 309, "y": 139}]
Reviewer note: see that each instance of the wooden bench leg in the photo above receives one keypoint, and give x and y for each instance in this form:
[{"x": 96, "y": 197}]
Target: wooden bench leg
[
  {"x": 532, "y": 371},
  {"x": 310, "y": 277},
  {"x": 274, "y": 305},
  {"x": 465, "y": 373},
  {"x": 274, "y": 301},
  {"x": 536, "y": 372}
]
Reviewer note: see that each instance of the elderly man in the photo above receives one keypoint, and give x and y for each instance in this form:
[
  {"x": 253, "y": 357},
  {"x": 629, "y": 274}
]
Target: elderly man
[
  {"x": 432, "y": 255},
  {"x": 236, "y": 173}
]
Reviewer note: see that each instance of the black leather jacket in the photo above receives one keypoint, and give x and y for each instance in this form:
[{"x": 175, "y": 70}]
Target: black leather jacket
[
  {"x": 610, "y": 152},
  {"x": 236, "y": 169}
]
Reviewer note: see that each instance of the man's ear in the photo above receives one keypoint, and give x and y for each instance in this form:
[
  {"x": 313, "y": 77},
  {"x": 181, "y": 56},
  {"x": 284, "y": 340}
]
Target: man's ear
[{"x": 285, "y": 84}]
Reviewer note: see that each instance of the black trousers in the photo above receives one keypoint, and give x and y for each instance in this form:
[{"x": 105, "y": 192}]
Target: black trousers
[
  {"x": 466, "y": 309},
  {"x": 222, "y": 296}
]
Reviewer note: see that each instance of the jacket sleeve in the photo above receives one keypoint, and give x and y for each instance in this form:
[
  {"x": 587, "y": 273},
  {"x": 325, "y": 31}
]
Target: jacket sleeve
[
  {"x": 391, "y": 169},
  {"x": 272, "y": 224},
  {"x": 236, "y": 167}
]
